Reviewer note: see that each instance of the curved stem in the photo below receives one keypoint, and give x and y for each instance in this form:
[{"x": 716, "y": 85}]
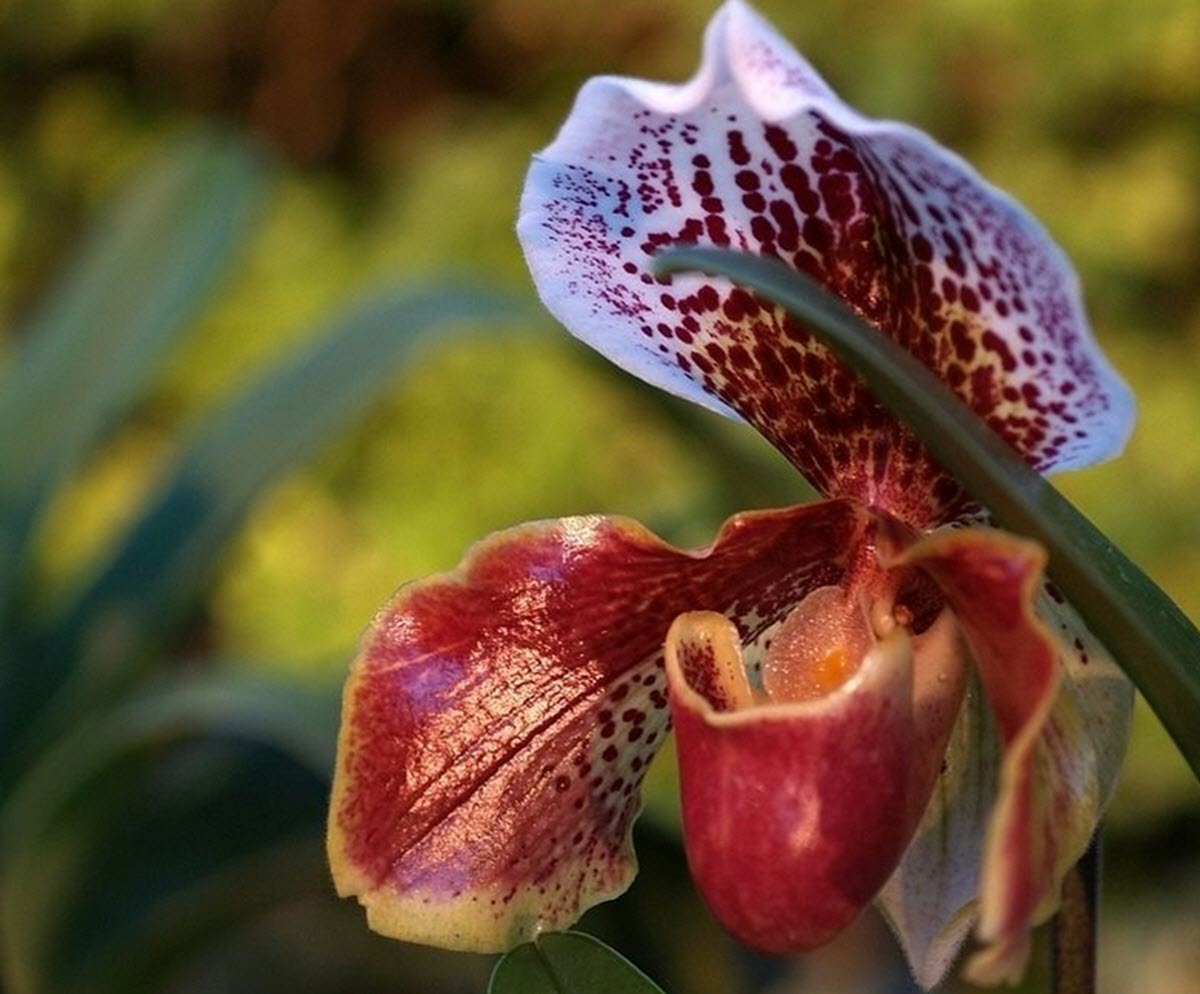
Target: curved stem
[
  {"x": 1073, "y": 931},
  {"x": 1146, "y": 632}
]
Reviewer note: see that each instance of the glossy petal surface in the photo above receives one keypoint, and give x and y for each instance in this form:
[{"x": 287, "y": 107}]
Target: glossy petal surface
[
  {"x": 756, "y": 153},
  {"x": 797, "y": 804},
  {"x": 795, "y": 813},
  {"x": 498, "y": 720}
]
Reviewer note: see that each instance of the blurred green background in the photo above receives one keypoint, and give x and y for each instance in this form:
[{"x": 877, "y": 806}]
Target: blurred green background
[{"x": 163, "y": 825}]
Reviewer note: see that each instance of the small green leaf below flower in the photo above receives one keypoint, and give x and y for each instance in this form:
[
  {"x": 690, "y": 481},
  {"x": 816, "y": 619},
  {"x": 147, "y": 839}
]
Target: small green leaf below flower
[{"x": 568, "y": 963}]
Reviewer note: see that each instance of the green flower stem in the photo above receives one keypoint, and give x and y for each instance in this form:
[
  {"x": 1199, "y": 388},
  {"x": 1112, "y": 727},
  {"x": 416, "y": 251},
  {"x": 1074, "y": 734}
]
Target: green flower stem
[{"x": 1140, "y": 625}]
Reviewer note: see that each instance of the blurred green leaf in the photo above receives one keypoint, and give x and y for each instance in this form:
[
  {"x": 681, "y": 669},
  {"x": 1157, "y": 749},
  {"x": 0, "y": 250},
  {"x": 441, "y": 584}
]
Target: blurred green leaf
[
  {"x": 143, "y": 272},
  {"x": 1150, "y": 636},
  {"x": 191, "y": 804},
  {"x": 568, "y": 963},
  {"x": 164, "y": 561},
  {"x": 296, "y": 720}
]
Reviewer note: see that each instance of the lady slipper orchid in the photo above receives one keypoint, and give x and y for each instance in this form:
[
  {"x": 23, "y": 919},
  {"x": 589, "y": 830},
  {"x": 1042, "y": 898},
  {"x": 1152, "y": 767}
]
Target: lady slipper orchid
[{"x": 875, "y": 697}]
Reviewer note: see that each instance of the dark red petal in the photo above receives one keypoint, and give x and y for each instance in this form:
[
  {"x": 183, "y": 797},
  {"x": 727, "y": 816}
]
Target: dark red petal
[
  {"x": 931, "y": 900},
  {"x": 991, "y": 580},
  {"x": 498, "y": 720},
  {"x": 757, "y": 153},
  {"x": 796, "y": 813}
]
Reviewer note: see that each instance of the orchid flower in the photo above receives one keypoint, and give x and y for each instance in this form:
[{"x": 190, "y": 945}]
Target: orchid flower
[{"x": 876, "y": 697}]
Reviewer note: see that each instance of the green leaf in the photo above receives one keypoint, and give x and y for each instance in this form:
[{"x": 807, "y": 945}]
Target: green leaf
[
  {"x": 1141, "y": 626},
  {"x": 300, "y": 722},
  {"x": 142, "y": 273},
  {"x": 162, "y": 564},
  {"x": 193, "y": 803},
  {"x": 568, "y": 963}
]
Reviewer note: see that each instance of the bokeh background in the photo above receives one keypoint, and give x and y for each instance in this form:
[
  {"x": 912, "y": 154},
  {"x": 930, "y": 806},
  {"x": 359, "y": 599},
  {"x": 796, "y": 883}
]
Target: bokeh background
[{"x": 179, "y": 849}]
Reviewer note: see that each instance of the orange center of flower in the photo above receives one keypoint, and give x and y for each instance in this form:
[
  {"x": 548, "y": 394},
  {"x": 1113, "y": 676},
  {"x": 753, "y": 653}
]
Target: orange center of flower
[
  {"x": 832, "y": 670},
  {"x": 818, "y": 647}
]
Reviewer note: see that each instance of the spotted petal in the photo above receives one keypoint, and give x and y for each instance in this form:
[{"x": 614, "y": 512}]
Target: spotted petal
[
  {"x": 757, "y": 153},
  {"x": 498, "y": 720}
]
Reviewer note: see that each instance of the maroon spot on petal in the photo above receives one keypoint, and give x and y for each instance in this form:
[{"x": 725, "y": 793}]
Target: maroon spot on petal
[
  {"x": 739, "y": 358},
  {"x": 964, "y": 344},
  {"x": 789, "y": 231},
  {"x": 817, "y": 234},
  {"x": 738, "y": 153},
  {"x": 708, "y": 298},
  {"x": 921, "y": 247},
  {"x": 762, "y": 229},
  {"x": 772, "y": 369},
  {"x": 835, "y": 191},
  {"x": 714, "y": 224},
  {"x": 780, "y": 142},
  {"x": 846, "y": 160},
  {"x": 994, "y": 343}
]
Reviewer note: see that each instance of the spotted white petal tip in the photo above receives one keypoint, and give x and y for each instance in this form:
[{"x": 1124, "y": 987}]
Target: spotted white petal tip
[{"x": 757, "y": 153}]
